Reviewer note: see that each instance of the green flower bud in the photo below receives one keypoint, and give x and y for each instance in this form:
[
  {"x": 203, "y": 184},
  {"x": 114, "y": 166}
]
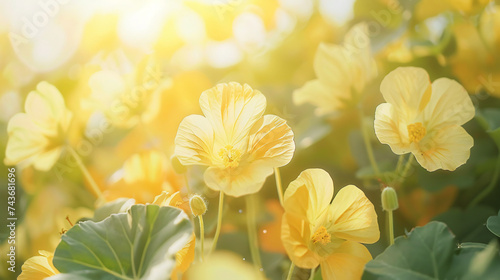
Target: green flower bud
[
  {"x": 389, "y": 199},
  {"x": 198, "y": 205},
  {"x": 177, "y": 165}
]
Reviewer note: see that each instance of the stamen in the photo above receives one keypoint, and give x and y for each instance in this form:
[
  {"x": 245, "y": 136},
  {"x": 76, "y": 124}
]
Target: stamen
[
  {"x": 416, "y": 131},
  {"x": 230, "y": 156},
  {"x": 321, "y": 235}
]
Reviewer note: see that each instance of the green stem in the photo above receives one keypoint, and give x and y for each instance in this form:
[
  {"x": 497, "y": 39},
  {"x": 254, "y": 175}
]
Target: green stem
[
  {"x": 87, "y": 175},
  {"x": 219, "y": 222},
  {"x": 406, "y": 169},
  {"x": 311, "y": 277},
  {"x": 202, "y": 237},
  {"x": 290, "y": 271},
  {"x": 278, "y": 184},
  {"x": 391, "y": 227},
  {"x": 368, "y": 145},
  {"x": 252, "y": 231},
  {"x": 399, "y": 165},
  {"x": 490, "y": 187}
]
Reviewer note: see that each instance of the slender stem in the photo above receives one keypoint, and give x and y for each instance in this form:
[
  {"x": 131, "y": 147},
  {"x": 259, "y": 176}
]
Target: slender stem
[
  {"x": 290, "y": 271},
  {"x": 186, "y": 181},
  {"x": 278, "y": 184},
  {"x": 219, "y": 222},
  {"x": 406, "y": 168},
  {"x": 368, "y": 145},
  {"x": 391, "y": 227},
  {"x": 252, "y": 231},
  {"x": 490, "y": 187},
  {"x": 400, "y": 163},
  {"x": 202, "y": 237},
  {"x": 311, "y": 277},
  {"x": 86, "y": 173}
]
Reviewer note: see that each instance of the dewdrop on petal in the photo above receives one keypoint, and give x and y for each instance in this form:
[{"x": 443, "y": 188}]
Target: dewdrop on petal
[
  {"x": 198, "y": 205},
  {"x": 389, "y": 199},
  {"x": 177, "y": 165}
]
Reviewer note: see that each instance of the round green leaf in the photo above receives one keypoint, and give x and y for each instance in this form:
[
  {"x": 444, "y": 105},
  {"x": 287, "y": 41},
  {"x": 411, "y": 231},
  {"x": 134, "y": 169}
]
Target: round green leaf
[
  {"x": 139, "y": 244},
  {"x": 426, "y": 253},
  {"x": 493, "y": 224}
]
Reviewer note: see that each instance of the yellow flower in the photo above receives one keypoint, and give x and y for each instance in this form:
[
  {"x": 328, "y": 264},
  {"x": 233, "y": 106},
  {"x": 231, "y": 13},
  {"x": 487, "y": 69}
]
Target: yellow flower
[
  {"x": 145, "y": 175},
  {"x": 37, "y": 136},
  {"x": 425, "y": 119},
  {"x": 342, "y": 71},
  {"x": 315, "y": 232},
  {"x": 185, "y": 256},
  {"x": 38, "y": 267},
  {"x": 239, "y": 144},
  {"x": 128, "y": 97}
]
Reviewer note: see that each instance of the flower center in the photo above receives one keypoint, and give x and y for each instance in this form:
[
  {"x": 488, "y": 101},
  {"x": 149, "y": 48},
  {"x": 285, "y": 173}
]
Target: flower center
[
  {"x": 416, "y": 131},
  {"x": 322, "y": 236},
  {"x": 230, "y": 156}
]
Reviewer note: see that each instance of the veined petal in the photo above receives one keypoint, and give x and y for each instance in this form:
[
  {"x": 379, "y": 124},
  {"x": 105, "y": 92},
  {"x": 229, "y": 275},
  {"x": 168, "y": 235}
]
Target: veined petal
[
  {"x": 184, "y": 258},
  {"x": 232, "y": 110},
  {"x": 353, "y": 217},
  {"x": 245, "y": 179},
  {"x": 194, "y": 141},
  {"x": 309, "y": 196},
  {"x": 271, "y": 140},
  {"x": 449, "y": 104},
  {"x": 347, "y": 262},
  {"x": 295, "y": 233},
  {"x": 326, "y": 99},
  {"x": 447, "y": 149},
  {"x": 389, "y": 131},
  {"x": 408, "y": 89}
]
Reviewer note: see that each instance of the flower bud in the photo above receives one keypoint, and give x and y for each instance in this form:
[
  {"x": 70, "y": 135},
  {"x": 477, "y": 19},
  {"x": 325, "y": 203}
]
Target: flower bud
[
  {"x": 389, "y": 199},
  {"x": 198, "y": 205},
  {"x": 177, "y": 165}
]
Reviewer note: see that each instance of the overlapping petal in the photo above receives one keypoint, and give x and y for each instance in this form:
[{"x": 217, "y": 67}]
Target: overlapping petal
[
  {"x": 295, "y": 233},
  {"x": 347, "y": 262},
  {"x": 353, "y": 216},
  {"x": 194, "y": 141},
  {"x": 232, "y": 109}
]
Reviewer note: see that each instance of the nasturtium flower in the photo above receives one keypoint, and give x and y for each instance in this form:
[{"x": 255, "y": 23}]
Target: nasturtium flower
[
  {"x": 317, "y": 232},
  {"x": 37, "y": 136},
  {"x": 224, "y": 265},
  {"x": 143, "y": 176},
  {"x": 342, "y": 73},
  {"x": 185, "y": 256},
  {"x": 240, "y": 146},
  {"x": 38, "y": 267},
  {"x": 425, "y": 119}
]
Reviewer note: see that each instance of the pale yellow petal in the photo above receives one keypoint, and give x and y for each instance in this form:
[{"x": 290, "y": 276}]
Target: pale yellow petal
[
  {"x": 25, "y": 139},
  {"x": 45, "y": 105},
  {"x": 232, "y": 110},
  {"x": 390, "y": 131},
  {"x": 45, "y": 160},
  {"x": 408, "y": 89},
  {"x": 353, "y": 216},
  {"x": 224, "y": 265},
  {"x": 327, "y": 99},
  {"x": 331, "y": 65},
  {"x": 448, "y": 148},
  {"x": 184, "y": 258},
  {"x": 146, "y": 166},
  {"x": 194, "y": 141},
  {"x": 347, "y": 262},
  {"x": 271, "y": 140},
  {"x": 243, "y": 180},
  {"x": 295, "y": 233},
  {"x": 38, "y": 267},
  {"x": 449, "y": 104},
  {"x": 309, "y": 196}
]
